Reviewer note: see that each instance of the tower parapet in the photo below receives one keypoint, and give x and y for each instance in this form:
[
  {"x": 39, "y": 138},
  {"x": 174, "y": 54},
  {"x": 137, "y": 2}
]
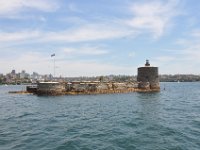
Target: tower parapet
[{"x": 148, "y": 78}]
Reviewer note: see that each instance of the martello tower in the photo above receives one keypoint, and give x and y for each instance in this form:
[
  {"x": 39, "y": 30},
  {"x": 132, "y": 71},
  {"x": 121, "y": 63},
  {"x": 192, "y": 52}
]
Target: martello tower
[{"x": 148, "y": 77}]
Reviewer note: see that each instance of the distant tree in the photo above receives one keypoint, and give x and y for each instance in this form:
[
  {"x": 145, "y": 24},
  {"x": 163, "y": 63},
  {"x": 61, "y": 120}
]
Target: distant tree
[{"x": 4, "y": 80}]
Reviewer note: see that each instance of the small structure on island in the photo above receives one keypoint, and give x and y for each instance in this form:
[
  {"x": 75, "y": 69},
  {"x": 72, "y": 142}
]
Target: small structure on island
[
  {"x": 50, "y": 88},
  {"x": 148, "y": 78}
]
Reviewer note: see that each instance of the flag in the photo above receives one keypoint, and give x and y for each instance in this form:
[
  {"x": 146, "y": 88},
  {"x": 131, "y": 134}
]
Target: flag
[{"x": 53, "y": 55}]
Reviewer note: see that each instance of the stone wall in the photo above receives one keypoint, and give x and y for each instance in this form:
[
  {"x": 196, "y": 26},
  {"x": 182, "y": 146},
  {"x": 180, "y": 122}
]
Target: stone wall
[
  {"x": 102, "y": 87},
  {"x": 148, "y": 78},
  {"x": 74, "y": 88},
  {"x": 50, "y": 88}
]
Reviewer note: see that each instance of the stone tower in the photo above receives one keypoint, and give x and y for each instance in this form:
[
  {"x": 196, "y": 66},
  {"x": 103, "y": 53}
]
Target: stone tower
[{"x": 148, "y": 78}]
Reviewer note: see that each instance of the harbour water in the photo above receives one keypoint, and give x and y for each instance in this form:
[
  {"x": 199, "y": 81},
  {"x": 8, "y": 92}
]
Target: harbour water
[{"x": 167, "y": 120}]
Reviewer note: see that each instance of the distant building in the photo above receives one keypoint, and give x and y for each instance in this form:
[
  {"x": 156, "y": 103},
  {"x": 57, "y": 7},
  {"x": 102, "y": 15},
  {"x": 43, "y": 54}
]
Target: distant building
[
  {"x": 24, "y": 75},
  {"x": 13, "y": 72},
  {"x": 35, "y": 76}
]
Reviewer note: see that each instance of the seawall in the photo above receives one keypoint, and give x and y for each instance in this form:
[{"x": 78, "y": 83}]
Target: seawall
[{"x": 82, "y": 88}]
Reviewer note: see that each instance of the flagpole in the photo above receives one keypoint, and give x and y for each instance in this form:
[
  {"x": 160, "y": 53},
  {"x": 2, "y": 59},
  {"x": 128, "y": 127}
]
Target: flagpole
[
  {"x": 54, "y": 67},
  {"x": 54, "y": 70}
]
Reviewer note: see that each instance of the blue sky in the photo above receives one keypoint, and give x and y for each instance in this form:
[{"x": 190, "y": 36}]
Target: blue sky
[{"x": 99, "y": 37}]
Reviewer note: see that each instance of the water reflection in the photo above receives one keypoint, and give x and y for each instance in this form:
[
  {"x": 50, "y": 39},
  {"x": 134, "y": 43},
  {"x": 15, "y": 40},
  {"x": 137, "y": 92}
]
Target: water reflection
[{"x": 149, "y": 105}]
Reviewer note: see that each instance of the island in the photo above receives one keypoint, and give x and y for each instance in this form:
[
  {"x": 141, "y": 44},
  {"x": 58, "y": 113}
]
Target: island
[{"x": 147, "y": 81}]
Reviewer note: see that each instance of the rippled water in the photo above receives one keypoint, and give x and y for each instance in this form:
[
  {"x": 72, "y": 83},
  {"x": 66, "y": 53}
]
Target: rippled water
[{"x": 169, "y": 120}]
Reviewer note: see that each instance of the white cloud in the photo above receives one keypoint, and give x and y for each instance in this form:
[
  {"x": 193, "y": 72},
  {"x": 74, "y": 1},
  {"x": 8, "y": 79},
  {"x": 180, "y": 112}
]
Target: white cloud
[
  {"x": 196, "y": 33},
  {"x": 85, "y": 50},
  {"x": 9, "y": 7},
  {"x": 42, "y": 19},
  {"x": 190, "y": 46},
  {"x": 185, "y": 58},
  {"x": 18, "y": 36},
  {"x": 73, "y": 7},
  {"x": 191, "y": 53},
  {"x": 89, "y": 33},
  {"x": 132, "y": 54},
  {"x": 84, "y": 68},
  {"x": 165, "y": 59},
  {"x": 80, "y": 34},
  {"x": 73, "y": 20},
  {"x": 153, "y": 16}
]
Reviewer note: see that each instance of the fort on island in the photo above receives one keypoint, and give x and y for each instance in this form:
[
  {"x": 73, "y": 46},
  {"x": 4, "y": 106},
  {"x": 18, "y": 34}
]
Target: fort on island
[{"x": 147, "y": 81}]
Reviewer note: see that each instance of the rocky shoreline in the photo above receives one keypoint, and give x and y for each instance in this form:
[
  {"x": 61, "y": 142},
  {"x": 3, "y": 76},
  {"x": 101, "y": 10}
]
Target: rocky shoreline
[{"x": 83, "y": 88}]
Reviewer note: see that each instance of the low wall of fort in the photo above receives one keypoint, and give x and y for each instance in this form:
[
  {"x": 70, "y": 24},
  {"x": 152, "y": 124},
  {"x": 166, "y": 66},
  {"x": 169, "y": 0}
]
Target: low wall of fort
[
  {"x": 50, "y": 88},
  {"x": 102, "y": 87},
  {"x": 76, "y": 88}
]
